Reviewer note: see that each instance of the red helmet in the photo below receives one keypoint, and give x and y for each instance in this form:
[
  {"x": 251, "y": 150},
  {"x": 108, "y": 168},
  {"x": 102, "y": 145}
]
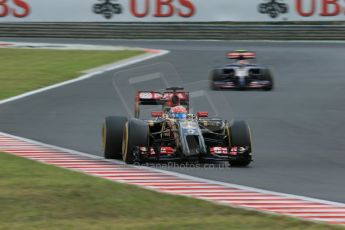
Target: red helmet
[{"x": 179, "y": 109}]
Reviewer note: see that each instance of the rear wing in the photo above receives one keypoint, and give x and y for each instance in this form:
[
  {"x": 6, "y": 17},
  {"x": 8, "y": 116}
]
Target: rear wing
[
  {"x": 243, "y": 55},
  {"x": 170, "y": 98}
]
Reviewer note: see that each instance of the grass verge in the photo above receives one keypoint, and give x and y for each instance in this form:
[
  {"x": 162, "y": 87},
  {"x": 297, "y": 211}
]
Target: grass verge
[
  {"x": 37, "y": 196},
  {"x": 24, "y": 70}
]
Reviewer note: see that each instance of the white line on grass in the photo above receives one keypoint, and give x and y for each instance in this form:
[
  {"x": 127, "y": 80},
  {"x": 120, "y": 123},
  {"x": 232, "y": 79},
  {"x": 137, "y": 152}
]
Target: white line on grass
[{"x": 117, "y": 65}]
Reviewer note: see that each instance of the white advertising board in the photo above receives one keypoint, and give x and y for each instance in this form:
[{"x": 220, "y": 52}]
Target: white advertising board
[{"x": 170, "y": 10}]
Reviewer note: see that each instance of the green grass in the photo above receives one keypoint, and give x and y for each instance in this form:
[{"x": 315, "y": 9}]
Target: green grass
[
  {"x": 23, "y": 70},
  {"x": 37, "y": 196}
]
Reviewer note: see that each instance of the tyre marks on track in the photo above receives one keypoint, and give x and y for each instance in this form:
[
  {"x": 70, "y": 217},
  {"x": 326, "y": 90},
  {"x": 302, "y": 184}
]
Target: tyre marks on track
[{"x": 177, "y": 184}]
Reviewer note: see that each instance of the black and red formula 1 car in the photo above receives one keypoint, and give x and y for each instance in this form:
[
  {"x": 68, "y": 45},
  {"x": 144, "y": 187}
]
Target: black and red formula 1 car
[
  {"x": 242, "y": 74},
  {"x": 173, "y": 134}
]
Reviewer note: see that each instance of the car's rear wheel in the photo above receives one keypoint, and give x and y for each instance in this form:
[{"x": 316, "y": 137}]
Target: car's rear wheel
[
  {"x": 135, "y": 135},
  {"x": 240, "y": 136},
  {"x": 112, "y": 133}
]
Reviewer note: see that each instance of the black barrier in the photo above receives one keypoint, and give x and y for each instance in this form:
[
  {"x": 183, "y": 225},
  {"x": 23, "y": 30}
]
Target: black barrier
[{"x": 173, "y": 31}]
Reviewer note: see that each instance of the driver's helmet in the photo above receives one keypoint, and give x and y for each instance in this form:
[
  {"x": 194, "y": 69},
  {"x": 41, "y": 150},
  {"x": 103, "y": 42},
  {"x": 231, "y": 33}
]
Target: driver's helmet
[
  {"x": 242, "y": 62},
  {"x": 178, "y": 112}
]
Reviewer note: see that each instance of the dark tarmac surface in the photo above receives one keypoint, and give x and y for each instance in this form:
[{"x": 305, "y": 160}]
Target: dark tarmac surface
[{"x": 298, "y": 129}]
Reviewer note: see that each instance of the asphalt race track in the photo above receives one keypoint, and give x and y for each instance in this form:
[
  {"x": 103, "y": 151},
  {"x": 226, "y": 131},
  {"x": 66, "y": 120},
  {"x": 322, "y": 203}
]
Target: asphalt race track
[{"x": 298, "y": 129}]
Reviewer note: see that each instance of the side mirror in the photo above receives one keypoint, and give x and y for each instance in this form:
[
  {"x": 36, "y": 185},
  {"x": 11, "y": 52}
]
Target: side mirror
[
  {"x": 202, "y": 114},
  {"x": 157, "y": 114}
]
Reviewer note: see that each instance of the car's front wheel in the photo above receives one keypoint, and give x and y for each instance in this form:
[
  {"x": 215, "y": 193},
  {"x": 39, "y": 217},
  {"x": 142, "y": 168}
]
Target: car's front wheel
[
  {"x": 112, "y": 132},
  {"x": 240, "y": 137},
  {"x": 269, "y": 77},
  {"x": 215, "y": 75},
  {"x": 135, "y": 135}
]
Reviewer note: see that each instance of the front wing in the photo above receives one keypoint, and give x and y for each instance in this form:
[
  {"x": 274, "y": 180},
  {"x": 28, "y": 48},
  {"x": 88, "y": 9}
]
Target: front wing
[{"x": 235, "y": 84}]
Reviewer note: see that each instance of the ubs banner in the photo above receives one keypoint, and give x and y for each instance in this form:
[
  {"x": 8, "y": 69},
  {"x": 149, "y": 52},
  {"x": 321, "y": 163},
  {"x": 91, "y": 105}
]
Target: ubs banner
[{"x": 170, "y": 10}]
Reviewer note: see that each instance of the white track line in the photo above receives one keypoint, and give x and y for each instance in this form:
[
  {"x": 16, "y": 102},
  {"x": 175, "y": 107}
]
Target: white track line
[{"x": 149, "y": 55}]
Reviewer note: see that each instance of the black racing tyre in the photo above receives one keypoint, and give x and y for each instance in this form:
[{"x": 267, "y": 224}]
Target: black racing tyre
[
  {"x": 136, "y": 133},
  {"x": 240, "y": 135},
  {"x": 214, "y": 76},
  {"x": 268, "y": 77},
  {"x": 112, "y": 133}
]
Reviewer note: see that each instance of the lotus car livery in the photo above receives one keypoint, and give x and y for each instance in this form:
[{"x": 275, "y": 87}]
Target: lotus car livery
[
  {"x": 174, "y": 134},
  {"x": 242, "y": 74}
]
